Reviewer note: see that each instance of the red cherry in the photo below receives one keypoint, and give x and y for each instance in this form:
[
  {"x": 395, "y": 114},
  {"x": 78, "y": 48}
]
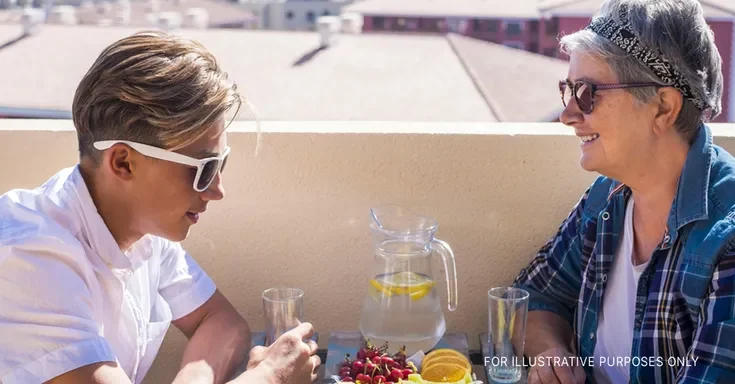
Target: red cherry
[
  {"x": 379, "y": 379},
  {"x": 385, "y": 360},
  {"x": 361, "y": 353},
  {"x": 345, "y": 371},
  {"x": 370, "y": 368},
  {"x": 376, "y": 360},
  {"x": 396, "y": 374},
  {"x": 407, "y": 372},
  {"x": 347, "y": 379},
  {"x": 364, "y": 378},
  {"x": 358, "y": 366}
]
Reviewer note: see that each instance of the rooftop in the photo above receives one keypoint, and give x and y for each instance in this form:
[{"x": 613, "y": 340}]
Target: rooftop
[
  {"x": 453, "y": 8},
  {"x": 288, "y": 77},
  {"x": 143, "y": 13},
  {"x": 505, "y": 9},
  {"x": 711, "y": 8}
]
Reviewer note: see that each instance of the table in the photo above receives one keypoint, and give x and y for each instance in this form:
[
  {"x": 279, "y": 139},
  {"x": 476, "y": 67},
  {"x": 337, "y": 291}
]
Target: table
[
  {"x": 343, "y": 342},
  {"x": 486, "y": 352}
]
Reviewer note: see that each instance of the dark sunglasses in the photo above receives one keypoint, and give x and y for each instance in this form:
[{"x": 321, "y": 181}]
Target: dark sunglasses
[{"x": 584, "y": 92}]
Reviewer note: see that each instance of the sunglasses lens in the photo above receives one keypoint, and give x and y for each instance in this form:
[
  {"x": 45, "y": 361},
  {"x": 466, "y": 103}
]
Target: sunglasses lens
[
  {"x": 209, "y": 171},
  {"x": 565, "y": 92},
  {"x": 584, "y": 97}
]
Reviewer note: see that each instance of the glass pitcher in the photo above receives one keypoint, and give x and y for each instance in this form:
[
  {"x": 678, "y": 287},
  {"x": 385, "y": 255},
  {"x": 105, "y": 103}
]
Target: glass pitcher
[{"x": 402, "y": 306}]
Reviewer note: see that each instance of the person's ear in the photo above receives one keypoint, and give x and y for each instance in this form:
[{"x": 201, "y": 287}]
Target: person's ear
[
  {"x": 667, "y": 103},
  {"x": 121, "y": 162}
]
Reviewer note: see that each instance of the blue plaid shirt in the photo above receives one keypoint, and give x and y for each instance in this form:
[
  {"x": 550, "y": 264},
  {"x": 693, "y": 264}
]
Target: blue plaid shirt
[{"x": 685, "y": 302}]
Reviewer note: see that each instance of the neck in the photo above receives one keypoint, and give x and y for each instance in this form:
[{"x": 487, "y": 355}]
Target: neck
[
  {"x": 114, "y": 210},
  {"x": 655, "y": 179}
]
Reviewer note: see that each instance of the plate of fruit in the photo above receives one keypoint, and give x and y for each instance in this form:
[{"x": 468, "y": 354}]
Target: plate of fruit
[{"x": 376, "y": 365}]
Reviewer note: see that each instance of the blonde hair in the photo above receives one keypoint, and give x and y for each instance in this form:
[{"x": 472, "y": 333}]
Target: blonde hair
[{"x": 154, "y": 88}]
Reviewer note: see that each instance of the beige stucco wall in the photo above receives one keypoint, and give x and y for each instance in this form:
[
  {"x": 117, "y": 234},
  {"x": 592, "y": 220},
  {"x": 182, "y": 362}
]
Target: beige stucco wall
[{"x": 297, "y": 213}]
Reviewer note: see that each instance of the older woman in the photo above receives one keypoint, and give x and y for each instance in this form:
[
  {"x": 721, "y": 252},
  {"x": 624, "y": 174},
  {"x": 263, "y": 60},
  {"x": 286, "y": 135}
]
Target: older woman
[{"x": 639, "y": 281}]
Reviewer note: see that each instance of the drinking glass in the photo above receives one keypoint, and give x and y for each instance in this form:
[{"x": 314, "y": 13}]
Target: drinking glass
[
  {"x": 507, "y": 311},
  {"x": 284, "y": 311}
]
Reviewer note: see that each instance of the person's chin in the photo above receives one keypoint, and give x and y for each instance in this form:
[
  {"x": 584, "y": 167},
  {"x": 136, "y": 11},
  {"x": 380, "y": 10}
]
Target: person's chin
[
  {"x": 180, "y": 233},
  {"x": 588, "y": 164}
]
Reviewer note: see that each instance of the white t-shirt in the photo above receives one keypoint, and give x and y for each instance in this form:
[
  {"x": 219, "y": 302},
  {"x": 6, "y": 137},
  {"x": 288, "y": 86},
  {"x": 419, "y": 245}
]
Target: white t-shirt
[
  {"x": 615, "y": 325},
  {"x": 70, "y": 297}
]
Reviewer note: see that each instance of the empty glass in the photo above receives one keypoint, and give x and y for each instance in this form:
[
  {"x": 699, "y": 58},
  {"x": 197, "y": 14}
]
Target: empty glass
[
  {"x": 507, "y": 310},
  {"x": 284, "y": 311}
]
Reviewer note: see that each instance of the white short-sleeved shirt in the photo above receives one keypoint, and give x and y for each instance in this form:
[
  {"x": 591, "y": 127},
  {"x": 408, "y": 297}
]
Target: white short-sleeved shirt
[{"x": 70, "y": 297}]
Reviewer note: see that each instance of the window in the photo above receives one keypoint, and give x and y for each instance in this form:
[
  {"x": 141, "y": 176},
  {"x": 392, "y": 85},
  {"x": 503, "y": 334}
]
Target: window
[
  {"x": 325, "y": 13},
  {"x": 400, "y": 24},
  {"x": 289, "y": 15},
  {"x": 533, "y": 26},
  {"x": 512, "y": 28},
  {"x": 533, "y": 47},
  {"x": 378, "y": 23},
  {"x": 552, "y": 26},
  {"x": 485, "y": 25},
  {"x": 492, "y": 25},
  {"x": 310, "y": 17},
  {"x": 431, "y": 25}
]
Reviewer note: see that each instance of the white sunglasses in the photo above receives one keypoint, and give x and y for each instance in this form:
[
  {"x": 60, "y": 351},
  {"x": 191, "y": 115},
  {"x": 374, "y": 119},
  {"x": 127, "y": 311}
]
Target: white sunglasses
[{"x": 207, "y": 168}]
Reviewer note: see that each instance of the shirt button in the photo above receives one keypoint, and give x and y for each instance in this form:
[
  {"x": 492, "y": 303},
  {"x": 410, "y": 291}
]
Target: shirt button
[
  {"x": 592, "y": 335},
  {"x": 605, "y": 215},
  {"x": 667, "y": 238},
  {"x": 604, "y": 278}
]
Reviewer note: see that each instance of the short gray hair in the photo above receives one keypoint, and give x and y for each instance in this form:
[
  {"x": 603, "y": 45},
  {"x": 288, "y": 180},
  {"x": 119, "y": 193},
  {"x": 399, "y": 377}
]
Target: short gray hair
[{"x": 675, "y": 28}]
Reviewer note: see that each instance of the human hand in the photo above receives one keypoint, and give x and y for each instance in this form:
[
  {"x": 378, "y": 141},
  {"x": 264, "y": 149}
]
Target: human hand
[
  {"x": 549, "y": 373},
  {"x": 290, "y": 359}
]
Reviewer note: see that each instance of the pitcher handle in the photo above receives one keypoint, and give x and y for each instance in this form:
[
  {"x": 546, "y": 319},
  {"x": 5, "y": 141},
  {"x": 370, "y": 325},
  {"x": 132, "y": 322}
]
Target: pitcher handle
[{"x": 450, "y": 270}]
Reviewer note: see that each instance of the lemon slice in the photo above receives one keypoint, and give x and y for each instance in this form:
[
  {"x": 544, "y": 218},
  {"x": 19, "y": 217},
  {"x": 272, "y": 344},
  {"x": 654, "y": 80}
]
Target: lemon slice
[{"x": 403, "y": 283}]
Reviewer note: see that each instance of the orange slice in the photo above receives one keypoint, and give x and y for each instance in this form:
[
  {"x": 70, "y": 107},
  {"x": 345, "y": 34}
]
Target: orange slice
[
  {"x": 442, "y": 352},
  {"x": 461, "y": 361},
  {"x": 443, "y": 372}
]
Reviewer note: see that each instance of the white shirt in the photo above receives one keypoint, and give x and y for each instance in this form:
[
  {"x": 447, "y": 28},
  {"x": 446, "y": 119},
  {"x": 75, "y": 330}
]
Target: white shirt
[
  {"x": 70, "y": 297},
  {"x": 615, "y": 326}
]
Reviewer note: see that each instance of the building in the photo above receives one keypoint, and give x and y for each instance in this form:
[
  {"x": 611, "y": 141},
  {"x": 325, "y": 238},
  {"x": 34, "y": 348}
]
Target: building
[
  {"x": 529, "y": 25},
  {"x": 136, "y": 13},
  {"x": 291, "y": 14},
  {"x": 290, "y": 75}
]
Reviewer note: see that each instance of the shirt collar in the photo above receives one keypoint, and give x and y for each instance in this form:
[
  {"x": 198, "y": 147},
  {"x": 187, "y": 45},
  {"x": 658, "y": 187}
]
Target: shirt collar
[
  {"x": 93, "y": 227},
  {"x": 691, "y": 200}
]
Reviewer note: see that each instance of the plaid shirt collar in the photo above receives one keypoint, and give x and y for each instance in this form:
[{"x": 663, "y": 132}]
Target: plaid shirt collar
[{"x": 691, "y": 201}]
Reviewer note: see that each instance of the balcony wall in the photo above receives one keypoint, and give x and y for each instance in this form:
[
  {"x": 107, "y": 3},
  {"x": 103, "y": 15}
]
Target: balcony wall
[{"x": 297, "y": 213}]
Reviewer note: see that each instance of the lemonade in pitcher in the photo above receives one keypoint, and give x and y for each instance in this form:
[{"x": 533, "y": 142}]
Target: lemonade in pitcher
[
  {"x": 402, "y": 306},
  {"x": 388, "y": 320}
]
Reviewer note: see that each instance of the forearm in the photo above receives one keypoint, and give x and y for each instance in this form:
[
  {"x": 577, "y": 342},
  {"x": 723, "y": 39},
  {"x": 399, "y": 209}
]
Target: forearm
[
  {"x": 546, "y": 330},
  {"x": 218, "y": 347}
]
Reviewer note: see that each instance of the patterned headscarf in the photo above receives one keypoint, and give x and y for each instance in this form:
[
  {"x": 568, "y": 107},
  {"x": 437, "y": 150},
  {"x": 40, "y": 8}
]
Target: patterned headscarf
[{"x": 623, "y": 37}]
